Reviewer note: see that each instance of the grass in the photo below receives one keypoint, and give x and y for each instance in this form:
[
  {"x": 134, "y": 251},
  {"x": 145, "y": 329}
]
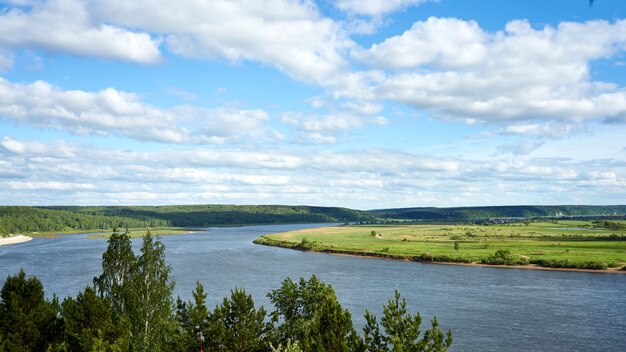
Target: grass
[{"x": 570, "y": 244}]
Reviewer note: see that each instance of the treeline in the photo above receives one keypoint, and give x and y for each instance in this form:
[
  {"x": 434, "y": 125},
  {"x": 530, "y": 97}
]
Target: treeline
[
  {"x": 210, "y": 215},
  {"x": 522, "y": 211},
  {"x": 15, "y": 219},
  {"x": 130, "y": 307}
]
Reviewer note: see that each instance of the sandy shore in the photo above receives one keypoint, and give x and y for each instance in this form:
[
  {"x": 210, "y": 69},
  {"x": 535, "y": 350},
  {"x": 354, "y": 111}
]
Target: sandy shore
[{"x": 14, "y": 239}]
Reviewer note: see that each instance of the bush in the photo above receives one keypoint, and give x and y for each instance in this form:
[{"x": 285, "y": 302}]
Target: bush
[
  {"x": 566, "y": 263},
  {"x": 305, "y": 243},
  {"x": 505, "y": 257}
]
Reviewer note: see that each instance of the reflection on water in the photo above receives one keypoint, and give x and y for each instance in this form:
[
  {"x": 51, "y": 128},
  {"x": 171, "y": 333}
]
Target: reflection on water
[{"x": 488, "y": 309}]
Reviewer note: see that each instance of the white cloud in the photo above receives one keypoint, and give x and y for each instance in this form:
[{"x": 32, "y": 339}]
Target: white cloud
[
  {"x": 441, "y": 42},
  {"x": 287, "y": 34},
  {"x": 57, "y": 172},
  {"x": 113, "y": 112},
  {"x": 290, "y": 35},
  {"x": 516, "y": 75},
  {"x": 375, "y": 7},
  {"x": 66, "y": 26},
  {"x": 324, "y": 129}
]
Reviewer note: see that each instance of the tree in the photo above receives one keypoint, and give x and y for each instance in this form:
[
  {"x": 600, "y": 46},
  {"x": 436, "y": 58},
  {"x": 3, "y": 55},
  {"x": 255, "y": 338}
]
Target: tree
[
  {"x": 402, "y": 331},
  {"x": 309, "y": 312},
  {"x": 28, "y": 322},
  {"x": 193, "y": 321},
  {"x": 90, "y": 326},
  {"x": 239, "y": 325},
  {"x": 150, "y": 309},
  {"x": 456, "y": 246},
  {"x": 118, "y": 262}
]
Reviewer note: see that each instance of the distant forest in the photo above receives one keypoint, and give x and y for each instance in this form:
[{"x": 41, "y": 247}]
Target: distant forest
[
  {"x": 492, "y": 212},
  {"x": 23, "y": 219}
]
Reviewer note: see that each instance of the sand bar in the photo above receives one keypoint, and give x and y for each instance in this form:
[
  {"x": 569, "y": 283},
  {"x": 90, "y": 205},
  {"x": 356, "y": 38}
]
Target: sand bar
[{"x": 14, "y": 239}]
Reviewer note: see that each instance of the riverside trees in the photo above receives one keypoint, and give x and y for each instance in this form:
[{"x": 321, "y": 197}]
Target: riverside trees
[{"x": 130, "y": 308}]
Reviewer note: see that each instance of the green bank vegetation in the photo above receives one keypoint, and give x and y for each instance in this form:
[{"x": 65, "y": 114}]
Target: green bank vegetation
[
  {"x": 72, "y": 219},
  {"x": 130, "y": 307},
  {"x": 558, "y": 244}
]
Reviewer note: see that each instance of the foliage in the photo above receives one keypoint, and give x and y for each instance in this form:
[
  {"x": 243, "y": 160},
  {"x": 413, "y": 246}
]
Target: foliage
[
  {"x": 505, "y": 257},
  {"x": 211, "y": 215},
  {"x": 566, "y": 263},
  {"x": 14, "y": 219},
  {"x": 151, "y": 297},
  {"x": 522, "y": 211},
  {"x": 402, "y": 330},
  {"x": 28, "y": 322},
  {"x": 238, "y": 326},
  {"x": 612, "y": 225},
  {"x": 138, "y": 289},
  {"x": 309, "y": 312},
  {"x": 90, "y": 324}
]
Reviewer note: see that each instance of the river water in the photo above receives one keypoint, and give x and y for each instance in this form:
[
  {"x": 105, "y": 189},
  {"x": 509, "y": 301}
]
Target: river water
[{"x": 488, "y": 309}]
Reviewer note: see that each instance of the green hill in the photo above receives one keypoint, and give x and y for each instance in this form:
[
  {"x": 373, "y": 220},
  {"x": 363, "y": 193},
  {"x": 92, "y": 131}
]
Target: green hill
[
  {"x": 22, "y": 219},
  {"x": 520, "y": 211},
  {"x": 211, "y": 215}
]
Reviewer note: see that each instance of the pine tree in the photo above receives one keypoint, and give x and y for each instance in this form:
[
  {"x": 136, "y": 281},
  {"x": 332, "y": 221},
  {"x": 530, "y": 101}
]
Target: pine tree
[
  {"x": 242, "y": 327},
  {"x": 402, "y": 331},
  {"x": 309, "y": 312},
  {"x": 28, "y": 322},
  {"x": 90, "y": 326}
]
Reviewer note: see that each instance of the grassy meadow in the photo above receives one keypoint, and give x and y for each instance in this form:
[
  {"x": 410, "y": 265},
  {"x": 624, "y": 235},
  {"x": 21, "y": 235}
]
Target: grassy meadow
[{"x": 561, "y": 244}]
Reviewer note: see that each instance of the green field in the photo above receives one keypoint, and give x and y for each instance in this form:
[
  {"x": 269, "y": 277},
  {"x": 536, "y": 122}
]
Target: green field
[{"x": 562, "y": 244}]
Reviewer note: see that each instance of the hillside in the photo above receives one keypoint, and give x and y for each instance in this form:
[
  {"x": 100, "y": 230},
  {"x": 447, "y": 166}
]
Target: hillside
[
  {"x": 211, "y": 215},
  {"x": 22, "y": 219},
  {"x": 521, "y": 211}
]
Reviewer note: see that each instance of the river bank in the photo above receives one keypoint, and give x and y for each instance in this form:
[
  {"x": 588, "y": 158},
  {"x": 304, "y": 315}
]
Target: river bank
[
  {"x": 14, "y": 239},
  {"x": 417, "y": 260}
]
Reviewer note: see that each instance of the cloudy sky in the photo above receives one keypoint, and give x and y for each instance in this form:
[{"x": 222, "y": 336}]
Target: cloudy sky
[{"x": 363, "y": 104}]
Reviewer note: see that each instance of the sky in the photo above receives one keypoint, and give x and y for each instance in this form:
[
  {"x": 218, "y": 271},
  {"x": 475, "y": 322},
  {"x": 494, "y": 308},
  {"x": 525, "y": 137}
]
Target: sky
[{"x": 361, "y": 104}]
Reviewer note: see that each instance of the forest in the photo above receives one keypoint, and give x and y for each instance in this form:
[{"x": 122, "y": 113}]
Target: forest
[
  {"x": 26, "y": 219},
  {"x": 130, "y": 307}
]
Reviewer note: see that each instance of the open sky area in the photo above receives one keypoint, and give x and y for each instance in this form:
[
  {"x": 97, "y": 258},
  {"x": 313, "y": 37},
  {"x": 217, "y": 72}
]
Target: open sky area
[{"x": 363, "y": 104}]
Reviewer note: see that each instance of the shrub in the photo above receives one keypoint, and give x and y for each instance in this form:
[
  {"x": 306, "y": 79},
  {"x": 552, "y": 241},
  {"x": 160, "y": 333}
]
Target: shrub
[{"x": 505, "y": 257}]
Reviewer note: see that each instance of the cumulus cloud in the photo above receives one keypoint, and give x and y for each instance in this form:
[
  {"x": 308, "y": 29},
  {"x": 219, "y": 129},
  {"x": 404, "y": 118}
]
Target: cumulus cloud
[
  {"x": 441, "y": 42},
  {"x": 375, "y": 7},
  {"x": 290, "y": 35},
  {"x": 67, "y": 26},
  {"x": 515, "y": 75},
  {"x": 287, "y": 34},
  {"x": 113, "y": 112}
]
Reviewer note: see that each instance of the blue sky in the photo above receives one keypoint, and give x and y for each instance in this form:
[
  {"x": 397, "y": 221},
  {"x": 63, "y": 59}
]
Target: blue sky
[{"x": 363, "y": 104}]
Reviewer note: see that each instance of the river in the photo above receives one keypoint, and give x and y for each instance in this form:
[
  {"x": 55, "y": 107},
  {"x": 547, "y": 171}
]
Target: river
[{"x": 488, "y": 309}]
